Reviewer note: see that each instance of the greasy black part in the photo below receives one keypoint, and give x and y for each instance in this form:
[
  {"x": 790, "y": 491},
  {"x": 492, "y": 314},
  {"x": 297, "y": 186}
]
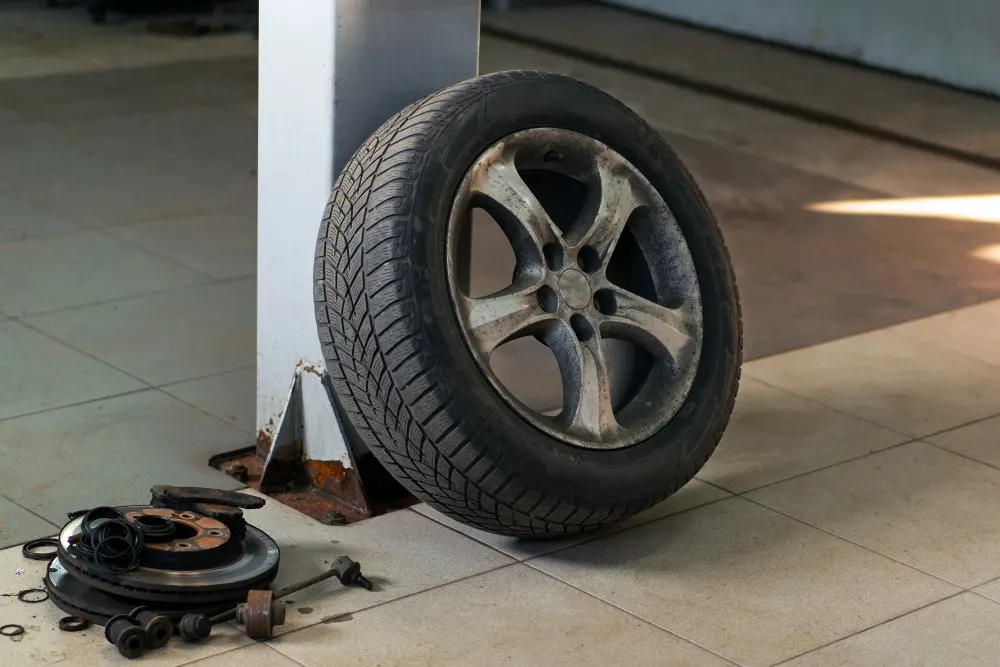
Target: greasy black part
[
  {"x": 399, "y": 362},
  {"x": 30, "y": 549},
  {"x": 196, "y": 494},
  {"x": 23, "y": 595},
  {"x": 126, "y": 585},
  {"x": 194, "y": 627},
  {"x": 11, "y": 630},
  {"x": 78, "y": 599},
  {"x": 73, "y": 624}
]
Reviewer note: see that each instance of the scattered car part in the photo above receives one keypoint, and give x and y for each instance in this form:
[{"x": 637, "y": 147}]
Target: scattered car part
[
  {"x": 33, "y": 595},
  {"x": 614, "y": 243},
  {"x": 260, "y": 609},
  {"x": 76, "y": 597},
  {"x": 260, "y": 613},
  {"x": 203, "y": 563},
  {"x": 128, "y": 637},
  {"x": 11, "y": 630},
  {"x": 34, "y": 549},
  {"x": 158, "y": 627},
  {"x": 73, "y": 624},
  {"x": 199, "y": 556}
]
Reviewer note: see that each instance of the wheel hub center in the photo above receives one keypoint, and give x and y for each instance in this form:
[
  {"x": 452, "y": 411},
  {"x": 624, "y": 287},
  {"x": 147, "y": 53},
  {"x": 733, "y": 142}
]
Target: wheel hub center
[{"x": 575, "y": 289}]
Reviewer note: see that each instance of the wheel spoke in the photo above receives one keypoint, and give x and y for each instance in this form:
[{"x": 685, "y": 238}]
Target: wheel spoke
[
  {"x": 662, "y": 331},
  {"x": 502, "y": 316},
  {"x": 515, "y": 207},
  {"x": 590, "y": 413},
  {"x": 614, "y": 201}
]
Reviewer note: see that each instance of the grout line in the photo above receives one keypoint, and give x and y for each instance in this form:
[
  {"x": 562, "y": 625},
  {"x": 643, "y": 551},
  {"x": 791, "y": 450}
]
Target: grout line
[
  {"x": 149, "y": 251},
  {"x": 133, "y": 297},
  {"x": 960, "y": 455},
  {"x": 149, "y": 385},
  {"x": 821, "y": 468},
  {"x": 633, "y": 615},
  {"x": 844, "y": 539},
  {"x": 584, "y": 538},
  {"x": 206, "y": 412},
  {"x": 871, "y": 627},
  {"x": 750, "y": 375},
  {"x": 465, "y": 535},
  {"x": 955, "y": 428},
  {"x": 197, "y": 378},
  {"x": 78, "y": 403},
  {"x": 733, "y": 95},
  {"x": 618, "y": 531},
  {"x": 29, "y": 511},
  {"x": 402, "y": 597}
]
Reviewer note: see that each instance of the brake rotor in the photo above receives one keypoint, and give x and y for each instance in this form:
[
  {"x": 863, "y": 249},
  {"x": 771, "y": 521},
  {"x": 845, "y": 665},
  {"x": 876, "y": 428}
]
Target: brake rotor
[
  {"x": 201, "y": 563},
  {"x": 75, "y": 597}
]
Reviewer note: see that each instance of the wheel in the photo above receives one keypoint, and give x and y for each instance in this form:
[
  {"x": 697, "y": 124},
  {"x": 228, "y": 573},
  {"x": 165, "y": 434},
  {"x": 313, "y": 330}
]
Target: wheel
[{"x": 613, "y": 244}]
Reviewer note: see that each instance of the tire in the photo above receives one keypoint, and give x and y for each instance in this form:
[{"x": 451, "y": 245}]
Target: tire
[{"x": 395, "y": 349}]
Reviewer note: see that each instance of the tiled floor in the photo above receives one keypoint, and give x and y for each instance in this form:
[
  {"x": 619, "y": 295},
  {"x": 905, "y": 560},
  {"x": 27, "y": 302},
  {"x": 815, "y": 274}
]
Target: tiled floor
[{"x": 848, "y": 518}]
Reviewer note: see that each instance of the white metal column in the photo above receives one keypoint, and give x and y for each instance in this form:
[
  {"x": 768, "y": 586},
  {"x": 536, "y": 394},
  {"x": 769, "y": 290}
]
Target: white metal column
[{"x": 331, "y": 72}]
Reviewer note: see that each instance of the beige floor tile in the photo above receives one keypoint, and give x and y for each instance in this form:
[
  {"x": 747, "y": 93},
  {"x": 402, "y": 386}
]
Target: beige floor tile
[
  {"x": 258, "y": 655},
  {"x": 972, "y": 331},
  {"x": 401, "y": 553},
  {"x": 221, "y": 244},
  {"x": 38, "y": 373},
  {"x": 900, "y": 383},
  {"x": 693, "y": 494},
  {"x": 111, "y": 452},
  {"x": 744, "y": 582},
  {"x": 46, "y": 273},
  {"x": 774, "y": 435},
  {"x": 230, "y": 396},
  {"x": 44, "y": 644},
  {"x": 979, "y": 441},
  {"x": 918, "y": 504},
  {"x": 963, "y": 631},
  {"x": 513, "y": 616},
  {"x": 990, "y": 590},
  {"x": 165, "y": 338},
  {"x": 18, "y": 525}
]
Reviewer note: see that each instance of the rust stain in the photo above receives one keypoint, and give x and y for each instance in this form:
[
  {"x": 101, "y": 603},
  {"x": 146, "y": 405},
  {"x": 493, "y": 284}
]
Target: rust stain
[{"x": 337, "y": 480}]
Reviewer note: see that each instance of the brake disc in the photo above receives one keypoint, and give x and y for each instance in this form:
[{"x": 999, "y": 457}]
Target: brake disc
[{"x": 204, "y": 562}]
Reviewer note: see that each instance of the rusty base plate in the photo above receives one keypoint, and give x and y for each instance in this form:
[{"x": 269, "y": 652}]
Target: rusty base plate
[{"x": 252, "y": 566}]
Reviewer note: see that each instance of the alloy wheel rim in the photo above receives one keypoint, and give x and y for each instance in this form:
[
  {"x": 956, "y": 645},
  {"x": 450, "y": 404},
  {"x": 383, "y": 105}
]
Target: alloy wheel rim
[{"x": 562, "y": 294}]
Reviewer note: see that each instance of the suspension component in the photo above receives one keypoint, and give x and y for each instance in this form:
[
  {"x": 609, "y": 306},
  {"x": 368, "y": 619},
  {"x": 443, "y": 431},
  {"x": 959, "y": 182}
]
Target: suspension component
[{"x": 130, "y": 639}]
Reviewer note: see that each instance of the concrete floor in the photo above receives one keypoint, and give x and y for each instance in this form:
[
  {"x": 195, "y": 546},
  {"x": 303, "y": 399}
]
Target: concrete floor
[{"x": 847, "y": 519}]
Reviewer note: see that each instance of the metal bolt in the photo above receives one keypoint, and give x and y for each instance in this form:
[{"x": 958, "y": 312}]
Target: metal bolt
[{"x": 334, "y": 519}]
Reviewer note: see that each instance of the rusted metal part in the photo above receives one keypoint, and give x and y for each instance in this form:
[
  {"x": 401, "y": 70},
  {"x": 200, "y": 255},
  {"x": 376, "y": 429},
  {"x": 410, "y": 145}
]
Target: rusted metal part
[
  {"x": 338, "y": 481},
  {"x": 260, "y": 614},
  {"x": 237, "y": 471},
  {"x": 201, "y": 534}
]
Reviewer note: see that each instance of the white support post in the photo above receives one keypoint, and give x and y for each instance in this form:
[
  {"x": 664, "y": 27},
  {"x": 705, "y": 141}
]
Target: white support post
[{"x": 331, "y": 72}]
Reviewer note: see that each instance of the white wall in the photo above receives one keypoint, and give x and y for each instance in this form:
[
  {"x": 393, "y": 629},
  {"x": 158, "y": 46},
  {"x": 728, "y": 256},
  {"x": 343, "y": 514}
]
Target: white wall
[{"x": 956, "y": 42}]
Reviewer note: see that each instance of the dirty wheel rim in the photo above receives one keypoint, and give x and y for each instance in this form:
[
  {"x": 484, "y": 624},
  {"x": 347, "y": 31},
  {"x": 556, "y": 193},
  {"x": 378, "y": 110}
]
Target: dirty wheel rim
[{"x": 567, "y": 289}]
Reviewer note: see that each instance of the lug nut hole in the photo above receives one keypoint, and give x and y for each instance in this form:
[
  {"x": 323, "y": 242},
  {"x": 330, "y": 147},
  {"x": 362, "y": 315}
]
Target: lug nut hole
[
  {"x": 553, "y": 256},
  {"x": 589, "y": 259},
  {"x": 605, "y": 302},
  {"x": 583, "y": 329},
  {"x": 548, "y": 300}
]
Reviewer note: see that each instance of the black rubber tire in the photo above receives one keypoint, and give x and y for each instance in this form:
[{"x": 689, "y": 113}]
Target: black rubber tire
[{"x": 396, "y": 355}]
